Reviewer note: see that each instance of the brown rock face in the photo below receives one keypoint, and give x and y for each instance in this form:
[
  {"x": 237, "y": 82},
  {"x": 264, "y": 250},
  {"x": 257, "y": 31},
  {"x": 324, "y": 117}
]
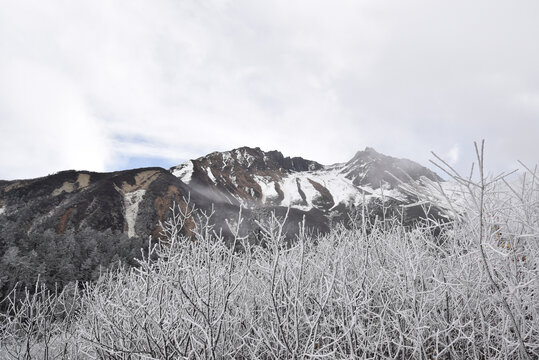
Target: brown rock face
[
  {"x": 232, "y": 175},
  {"x": 61, "y": 228}
]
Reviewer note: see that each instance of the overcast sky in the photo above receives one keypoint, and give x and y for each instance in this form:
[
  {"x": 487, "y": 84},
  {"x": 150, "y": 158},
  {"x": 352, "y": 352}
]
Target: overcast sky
[{"x": 106, "y": 85}]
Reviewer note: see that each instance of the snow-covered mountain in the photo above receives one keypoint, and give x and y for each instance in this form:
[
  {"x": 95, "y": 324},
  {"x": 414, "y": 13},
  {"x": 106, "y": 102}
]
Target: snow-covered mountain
[
  {"x": 132, "y": 202},
  {"x": 253, "y": 178},
  {"x": 77, "y": 221}
]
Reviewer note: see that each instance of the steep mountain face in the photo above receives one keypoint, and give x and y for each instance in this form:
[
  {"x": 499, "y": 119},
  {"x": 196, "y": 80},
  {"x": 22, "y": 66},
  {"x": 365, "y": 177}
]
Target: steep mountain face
[
  {"x": 72, "y": 200},
  {"x": 134, "y": 201},
  {"x": 242, "y": 176},
  {"x": 70, "y": 214},
  {"x": 375, "y": 170},
  {"x": 253, "y": 178}
]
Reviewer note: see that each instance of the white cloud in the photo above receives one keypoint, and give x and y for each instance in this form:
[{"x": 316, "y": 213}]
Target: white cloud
[
  {"x": 453, "y": 154},
  {"x": 178, "y": 79},
  {"x": 44, "y": 122}
]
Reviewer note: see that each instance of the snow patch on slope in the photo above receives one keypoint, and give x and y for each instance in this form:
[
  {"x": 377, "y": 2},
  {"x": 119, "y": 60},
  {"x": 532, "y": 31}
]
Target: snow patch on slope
[
  {"x": 210, "y": 175},
  {"x": 341, "y": 189},
  {"x": 226, "y": 159},
  {"x": 268, "y": 188},
  {"x": 244, "y": 158},
  {"x": 308, "y": 189},
  {"x": 2, "y": 210},
  {"x": 132, "y": 201},
  {"x": 295, "y": 184},
  {"x": 384, "y": 192},
  {"x": 292, "y": 197},
  {"x": 184, "y": 172}
]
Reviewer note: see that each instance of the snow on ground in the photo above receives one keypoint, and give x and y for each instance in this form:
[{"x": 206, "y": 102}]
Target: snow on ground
[
  {"x": 244, "y": 158},
  {"x": 292, "y": 196},
  {"x": 342, "y": 189},
  {"x": 131, "y": 201},
  {"x": 226, "y": 159},
  {"x": 184, "y": 171},
  {"x": 210, "y": 175},
  {"x": 332, "y": 177},
  {"x": 2, "y": 209},
  {"x": 268, "y": 188},
  {"x": 308, "y": 189}
]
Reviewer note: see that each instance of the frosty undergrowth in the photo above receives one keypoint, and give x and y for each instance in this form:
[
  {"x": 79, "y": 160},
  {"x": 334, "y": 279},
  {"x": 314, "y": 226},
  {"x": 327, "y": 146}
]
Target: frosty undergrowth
[{"x": 373, "y": 291}]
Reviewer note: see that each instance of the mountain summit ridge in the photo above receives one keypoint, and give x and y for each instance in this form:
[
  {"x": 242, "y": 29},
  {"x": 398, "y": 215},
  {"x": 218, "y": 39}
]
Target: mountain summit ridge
[
  {"x": 133, "y": 202},
  {"x": 251, "y": 177}
]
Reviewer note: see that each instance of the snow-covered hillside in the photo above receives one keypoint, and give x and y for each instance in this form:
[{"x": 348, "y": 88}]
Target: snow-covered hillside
[{"x": 255, "y": 178}]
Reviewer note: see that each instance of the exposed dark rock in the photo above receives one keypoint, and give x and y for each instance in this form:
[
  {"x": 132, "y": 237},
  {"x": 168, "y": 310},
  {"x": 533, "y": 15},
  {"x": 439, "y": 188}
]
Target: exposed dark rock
[{"x": 369, "y": 167}]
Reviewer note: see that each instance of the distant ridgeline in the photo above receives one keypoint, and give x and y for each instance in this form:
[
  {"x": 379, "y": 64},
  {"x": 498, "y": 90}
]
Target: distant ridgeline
[{"x": 73, "y": 224}]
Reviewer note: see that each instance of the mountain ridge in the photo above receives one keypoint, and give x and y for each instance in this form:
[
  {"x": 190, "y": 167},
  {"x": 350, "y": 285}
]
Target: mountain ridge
[
  {"x": 245, "y": 176},
  {"x": 68, "y": 225}
]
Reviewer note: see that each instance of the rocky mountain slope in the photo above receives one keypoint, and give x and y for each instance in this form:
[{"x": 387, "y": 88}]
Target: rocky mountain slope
[
  {"x": 121, "y": 209},
  {"x": 254, "y": 178},
  {"x": 134, "y": 201}
]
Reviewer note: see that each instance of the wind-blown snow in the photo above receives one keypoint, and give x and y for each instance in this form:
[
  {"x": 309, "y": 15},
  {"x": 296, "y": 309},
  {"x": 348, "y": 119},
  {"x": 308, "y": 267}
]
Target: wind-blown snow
[
  {"x": 184, "y": 172},
  {"x": 132, "y": 201}
]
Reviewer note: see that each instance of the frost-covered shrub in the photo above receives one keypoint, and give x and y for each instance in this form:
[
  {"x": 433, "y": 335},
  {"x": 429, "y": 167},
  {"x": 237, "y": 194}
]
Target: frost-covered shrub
[{"x": 389, "y": 292}]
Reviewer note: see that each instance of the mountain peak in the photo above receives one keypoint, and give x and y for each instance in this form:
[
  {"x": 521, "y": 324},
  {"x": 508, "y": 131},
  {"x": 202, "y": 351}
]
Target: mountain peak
[
  {"x": 364, "y": 156},
  {"x": 253, "y": 159},
  {"x": 369, "y": 167},
  {"x": 370, "y": 150},
  {"x": 253, "y": 177}
]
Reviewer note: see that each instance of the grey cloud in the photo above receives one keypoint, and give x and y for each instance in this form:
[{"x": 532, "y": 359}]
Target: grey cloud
[{"x": 310, "y": 78}]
